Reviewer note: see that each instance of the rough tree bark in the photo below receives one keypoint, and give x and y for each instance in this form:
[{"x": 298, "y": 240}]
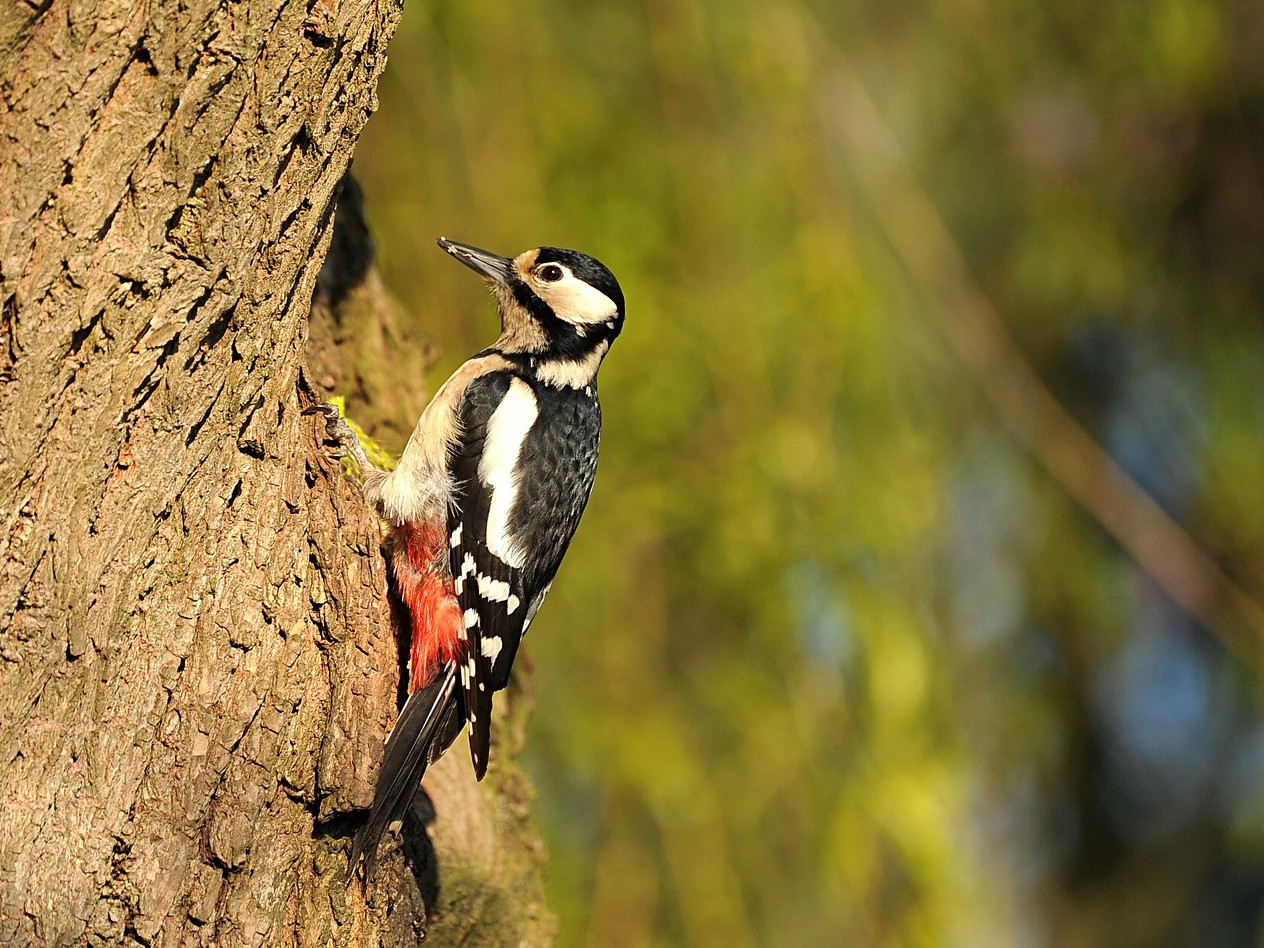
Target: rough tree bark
[{"x": 197, "y": 662}]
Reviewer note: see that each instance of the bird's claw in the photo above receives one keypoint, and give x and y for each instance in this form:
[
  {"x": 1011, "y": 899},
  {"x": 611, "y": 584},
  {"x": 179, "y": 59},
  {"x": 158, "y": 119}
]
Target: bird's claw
[{"x": 338, "y": 431}]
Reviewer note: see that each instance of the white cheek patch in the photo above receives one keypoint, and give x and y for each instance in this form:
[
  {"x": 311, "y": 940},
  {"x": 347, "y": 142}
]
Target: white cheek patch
[
  {"x": 578, "y": 303},
  {"x": 507, "y": 430}
]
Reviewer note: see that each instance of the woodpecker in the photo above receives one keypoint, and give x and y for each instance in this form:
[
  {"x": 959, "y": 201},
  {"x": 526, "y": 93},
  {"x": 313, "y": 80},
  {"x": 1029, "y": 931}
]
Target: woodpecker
[{"x": 484, "y": 502}]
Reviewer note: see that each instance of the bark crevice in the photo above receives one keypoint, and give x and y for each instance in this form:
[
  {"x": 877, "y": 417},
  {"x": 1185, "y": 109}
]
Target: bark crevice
[{"x": 196, "y": 646}]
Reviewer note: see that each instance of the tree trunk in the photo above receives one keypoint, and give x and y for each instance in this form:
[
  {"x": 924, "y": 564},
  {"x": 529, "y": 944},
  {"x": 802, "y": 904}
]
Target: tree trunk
[{"x": 197, "y": 658}]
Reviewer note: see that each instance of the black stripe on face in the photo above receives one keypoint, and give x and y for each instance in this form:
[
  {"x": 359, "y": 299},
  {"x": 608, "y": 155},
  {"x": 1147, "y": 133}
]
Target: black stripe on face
[{"x": 565, "y": 340}]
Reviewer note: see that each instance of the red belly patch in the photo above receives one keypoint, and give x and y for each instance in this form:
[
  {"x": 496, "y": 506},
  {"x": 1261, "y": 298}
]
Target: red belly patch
[{"x": 424, "y": 581}]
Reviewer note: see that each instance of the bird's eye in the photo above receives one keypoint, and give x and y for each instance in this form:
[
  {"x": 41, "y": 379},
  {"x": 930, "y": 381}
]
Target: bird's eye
[{"x": 549, "y": 273}]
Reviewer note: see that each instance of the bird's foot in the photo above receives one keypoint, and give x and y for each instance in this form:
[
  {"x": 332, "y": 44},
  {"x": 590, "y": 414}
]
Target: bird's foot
[{"x": 340, "y": 433}]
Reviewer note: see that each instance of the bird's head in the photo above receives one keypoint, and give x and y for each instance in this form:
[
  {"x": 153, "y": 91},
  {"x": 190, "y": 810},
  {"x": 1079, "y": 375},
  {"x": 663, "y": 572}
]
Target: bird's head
[{"x": 558, "y": 306}]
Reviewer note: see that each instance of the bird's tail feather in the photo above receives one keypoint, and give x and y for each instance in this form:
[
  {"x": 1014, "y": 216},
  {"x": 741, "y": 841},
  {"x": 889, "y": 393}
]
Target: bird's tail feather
[{"x": 427, "y": 725}]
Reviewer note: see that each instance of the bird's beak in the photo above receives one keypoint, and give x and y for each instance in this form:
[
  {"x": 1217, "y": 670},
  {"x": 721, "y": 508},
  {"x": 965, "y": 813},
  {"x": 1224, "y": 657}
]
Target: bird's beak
[{"x": 494, "y": 268}]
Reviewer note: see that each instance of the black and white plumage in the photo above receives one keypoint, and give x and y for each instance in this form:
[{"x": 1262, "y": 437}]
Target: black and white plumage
[
  {"x": 524, "y": 467},
  {"x": 485, "y": 500}
]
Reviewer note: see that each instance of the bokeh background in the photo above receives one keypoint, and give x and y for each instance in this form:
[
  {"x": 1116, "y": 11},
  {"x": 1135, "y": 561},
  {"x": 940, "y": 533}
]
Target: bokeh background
[{"x": 863, "y": 640}]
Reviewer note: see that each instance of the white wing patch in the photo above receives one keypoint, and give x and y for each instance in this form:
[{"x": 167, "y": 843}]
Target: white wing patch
[
  {"x": 467, "y": 569},
  {"x": 491, "y": 647},
  {"x": 506, "y": 431},
  {"x": 536, "y": 603},
  {"x": 493, "y": 589}
]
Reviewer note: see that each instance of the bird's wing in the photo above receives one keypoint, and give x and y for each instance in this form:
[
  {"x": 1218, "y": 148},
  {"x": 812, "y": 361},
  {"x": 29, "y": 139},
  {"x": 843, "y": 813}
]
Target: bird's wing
[{"x": 496, "y": 414}]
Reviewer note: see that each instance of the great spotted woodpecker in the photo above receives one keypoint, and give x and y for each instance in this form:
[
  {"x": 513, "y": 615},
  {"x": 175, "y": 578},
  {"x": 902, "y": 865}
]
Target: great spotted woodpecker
[{"x": 484, "y": 502}]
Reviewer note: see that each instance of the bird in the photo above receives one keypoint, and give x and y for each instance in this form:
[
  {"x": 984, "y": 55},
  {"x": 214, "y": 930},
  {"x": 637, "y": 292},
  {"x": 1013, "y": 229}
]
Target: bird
[{"x": 483, "y": 504}]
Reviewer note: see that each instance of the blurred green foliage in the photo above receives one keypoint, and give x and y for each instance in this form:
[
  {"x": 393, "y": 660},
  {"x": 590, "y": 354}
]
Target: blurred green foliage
[{"x": 832, "y": 659}]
